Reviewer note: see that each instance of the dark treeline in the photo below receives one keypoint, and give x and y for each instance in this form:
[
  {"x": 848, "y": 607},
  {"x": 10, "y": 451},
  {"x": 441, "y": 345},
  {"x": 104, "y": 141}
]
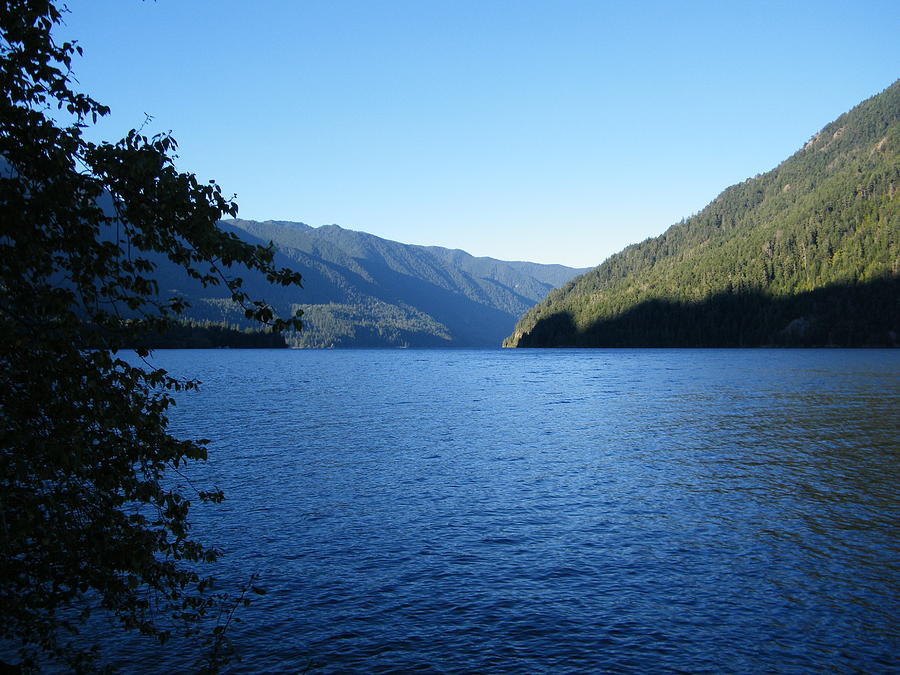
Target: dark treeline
[
  {"x": 209, "y": 335},
  {"x": 859, "y": 315}
]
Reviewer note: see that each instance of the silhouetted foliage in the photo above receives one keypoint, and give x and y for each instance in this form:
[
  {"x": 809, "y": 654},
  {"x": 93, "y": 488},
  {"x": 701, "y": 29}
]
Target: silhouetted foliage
[{"x": 89, "y": 516}]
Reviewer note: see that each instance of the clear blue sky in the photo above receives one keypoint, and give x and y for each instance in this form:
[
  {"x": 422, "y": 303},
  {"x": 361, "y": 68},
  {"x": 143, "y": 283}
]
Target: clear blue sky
[{"x": 555, "y": 131}]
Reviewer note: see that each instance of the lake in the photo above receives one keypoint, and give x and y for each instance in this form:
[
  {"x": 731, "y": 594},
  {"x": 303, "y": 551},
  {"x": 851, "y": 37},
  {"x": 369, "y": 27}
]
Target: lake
[{"x": 554, "y": 510}]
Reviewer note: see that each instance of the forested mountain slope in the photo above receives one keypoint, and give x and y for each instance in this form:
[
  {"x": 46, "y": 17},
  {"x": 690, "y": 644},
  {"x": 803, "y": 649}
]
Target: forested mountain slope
[
  {"x": 360, "y": 290},
  {"x": 806, "y": 254}
]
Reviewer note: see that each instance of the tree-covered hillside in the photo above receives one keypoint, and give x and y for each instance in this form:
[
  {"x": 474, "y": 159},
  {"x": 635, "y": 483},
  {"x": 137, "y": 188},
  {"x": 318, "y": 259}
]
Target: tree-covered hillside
[
  {"x": 360, "y": 290},
  {"x": 806, "y": 254}
]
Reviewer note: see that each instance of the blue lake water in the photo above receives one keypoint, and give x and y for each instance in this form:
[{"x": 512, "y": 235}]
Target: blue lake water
[{"x": 555, "y": 510}]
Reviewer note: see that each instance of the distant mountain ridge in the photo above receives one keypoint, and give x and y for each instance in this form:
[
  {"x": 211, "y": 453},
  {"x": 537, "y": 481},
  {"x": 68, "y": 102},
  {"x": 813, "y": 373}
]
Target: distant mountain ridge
[
  {"x": 806, "y": 254},
  {"x": 360, "y": 290}
]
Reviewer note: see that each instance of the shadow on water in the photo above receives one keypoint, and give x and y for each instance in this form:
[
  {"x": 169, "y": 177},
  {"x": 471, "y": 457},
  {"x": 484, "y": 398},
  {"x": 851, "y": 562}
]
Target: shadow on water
[{"x": 846, "y": 315}]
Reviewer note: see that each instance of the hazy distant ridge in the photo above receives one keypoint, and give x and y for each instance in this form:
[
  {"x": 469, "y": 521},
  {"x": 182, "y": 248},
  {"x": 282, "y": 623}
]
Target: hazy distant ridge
[{"x": 360, "y": 290}]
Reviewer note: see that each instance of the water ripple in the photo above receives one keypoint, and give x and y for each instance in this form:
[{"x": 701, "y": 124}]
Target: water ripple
[{"x": 556, "y": 511}]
